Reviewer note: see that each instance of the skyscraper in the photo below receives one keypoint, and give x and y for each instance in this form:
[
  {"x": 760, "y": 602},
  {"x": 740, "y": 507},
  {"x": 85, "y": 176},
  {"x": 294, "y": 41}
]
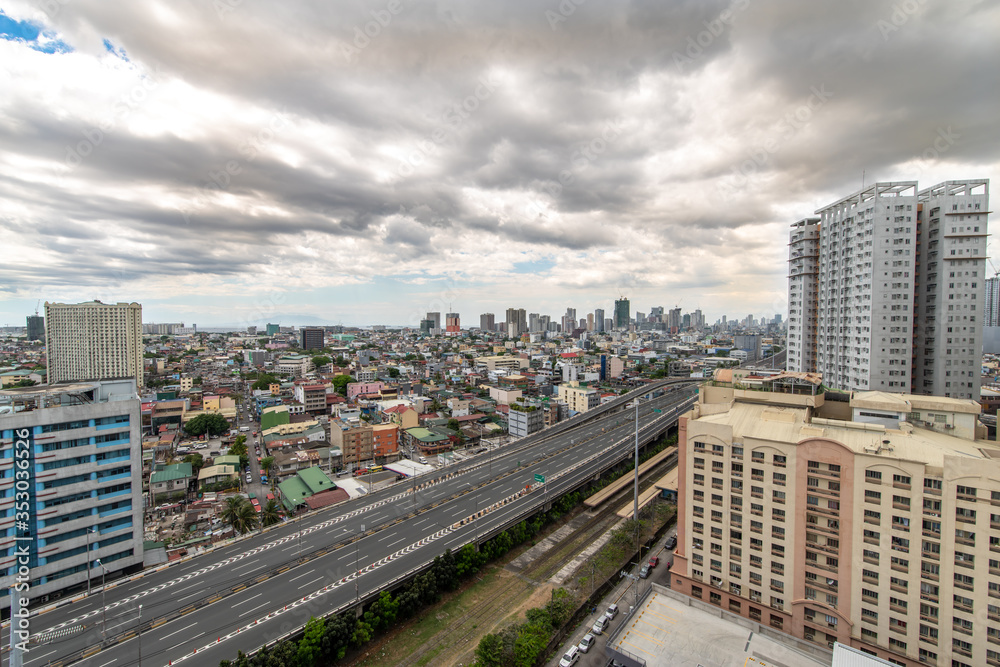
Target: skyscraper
[
  {"x": 36, "y": 327},
  {"x": 452, "y": 324},
  {"x": 991, "y": 303},
  {"x": 896, "y": 284},
  {"x": 93, "y": 341},
  {"x": 599, "y": 319},
  {"x": 516, "y": 322},
  {"x": 436, "y": 319},
  {"x": 622, "y": 314},
  {"x": 487, "y": 322}
]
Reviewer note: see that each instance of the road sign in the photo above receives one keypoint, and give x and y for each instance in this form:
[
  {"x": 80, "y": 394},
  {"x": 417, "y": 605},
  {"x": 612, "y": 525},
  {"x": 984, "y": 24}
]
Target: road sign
[{"x": 540, "y": 478}]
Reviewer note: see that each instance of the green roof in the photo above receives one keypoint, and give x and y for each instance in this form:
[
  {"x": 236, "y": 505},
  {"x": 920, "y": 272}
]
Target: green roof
[
  {"x": 316, "y": 480},
  {"x": 293, "y": 492},
  {"x": 228, "y": 459},
  {"x": 171, "y": 472},
  {"x": 424, "y": 435}
]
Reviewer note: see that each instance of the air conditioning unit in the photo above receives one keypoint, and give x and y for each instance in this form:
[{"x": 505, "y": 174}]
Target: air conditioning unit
[{"x": 949, "y": 426}]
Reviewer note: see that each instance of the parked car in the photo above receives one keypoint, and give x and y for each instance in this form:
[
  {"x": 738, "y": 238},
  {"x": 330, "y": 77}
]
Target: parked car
[
  {"x": 600, "y": 625},
  {"x": 654, "y": 561},
  {"x": 671, "y": 542},
  {"x": 611, "y": 612},
  {"x": 571, "y": 657},
  {"x": 644, "y": 572},
  {"x": 587, "y": 641}
]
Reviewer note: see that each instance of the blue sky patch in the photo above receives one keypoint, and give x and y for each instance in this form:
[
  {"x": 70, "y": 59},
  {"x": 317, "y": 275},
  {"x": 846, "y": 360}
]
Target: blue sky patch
[{"x": 32, "y": 35}]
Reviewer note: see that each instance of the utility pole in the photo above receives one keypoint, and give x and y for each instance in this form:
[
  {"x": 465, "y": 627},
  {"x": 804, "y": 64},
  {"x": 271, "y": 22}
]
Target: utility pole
[{"x": 139, "y": 637}]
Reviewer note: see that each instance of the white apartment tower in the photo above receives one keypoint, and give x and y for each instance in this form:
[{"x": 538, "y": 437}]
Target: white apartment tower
[
  {"x": 948, "y": 338},
  {"x": 803, "y": 285},
  {"x": 897, "y": 275},
  {"x": 93, "y": 341}
]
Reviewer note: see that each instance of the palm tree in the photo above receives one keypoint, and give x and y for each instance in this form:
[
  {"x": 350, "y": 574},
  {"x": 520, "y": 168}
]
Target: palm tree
[
  {"x": 247, "y": 519},
  {"x": 232, "y": 511},
  {"x": 270, "y": 514}
]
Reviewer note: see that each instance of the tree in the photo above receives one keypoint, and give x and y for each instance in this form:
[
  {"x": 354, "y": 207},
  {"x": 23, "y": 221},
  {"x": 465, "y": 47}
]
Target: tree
[
  {"x": 197, "y": 381},
  {"x": 453, "y": 424},
  {"x": 266, "y": 464},
  {"x": 211, "y": 423},
  {"x": 271, "y": 513},
  {"x": 340, "y": 383},
  {"x": 196, "y": 461},
  {"x": 264, "y": 381},
  {"x": 310, "y": 645},
  {"x": 239, "y": 514},
  {"x": 320, "y": 360},
  {"x": 393, "y": 372}
]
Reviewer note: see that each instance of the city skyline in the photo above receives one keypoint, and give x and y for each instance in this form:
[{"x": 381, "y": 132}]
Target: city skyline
[{"x": 280, "y": 163}]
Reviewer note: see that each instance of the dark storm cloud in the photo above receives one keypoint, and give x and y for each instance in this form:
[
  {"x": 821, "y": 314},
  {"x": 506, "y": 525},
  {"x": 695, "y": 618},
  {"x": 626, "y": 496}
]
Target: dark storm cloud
[{"x": 318, "y": 132}]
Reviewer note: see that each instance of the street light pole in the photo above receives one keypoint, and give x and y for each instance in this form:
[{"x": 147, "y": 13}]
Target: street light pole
[
  {"x": 104, "y": 606},
  {"x": 139, "y": 633},
  {"x": 92, "y": 528},
  {"x": 357, "y": 567}
]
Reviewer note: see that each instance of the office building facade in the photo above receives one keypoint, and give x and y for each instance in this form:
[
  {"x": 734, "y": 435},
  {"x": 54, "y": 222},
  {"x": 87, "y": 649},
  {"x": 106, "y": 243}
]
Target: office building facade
[
  {"x": 452, "y": 324},
  {"x": 599, "y": 320},
  {"x": 83, "y": 445},
  {"x": 886, "y": 288},
  {"x": 312, "y": 338},
  {"x": 874, "y": 523},
  {"x": 93, "y": 341}
]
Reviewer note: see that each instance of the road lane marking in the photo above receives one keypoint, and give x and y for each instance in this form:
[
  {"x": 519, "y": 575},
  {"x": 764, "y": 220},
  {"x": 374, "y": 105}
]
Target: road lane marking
[
  {"x": 178, "y": 631},
  {"x": 247, "y": 600},
  {"x": 250, "y": 611},
  {"x": 186, "y": 640},
  {"x": 310, "y": 583}
]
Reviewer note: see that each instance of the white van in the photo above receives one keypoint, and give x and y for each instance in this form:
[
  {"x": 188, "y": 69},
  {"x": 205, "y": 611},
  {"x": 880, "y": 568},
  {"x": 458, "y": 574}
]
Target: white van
[{"x": 421, "y": 459}]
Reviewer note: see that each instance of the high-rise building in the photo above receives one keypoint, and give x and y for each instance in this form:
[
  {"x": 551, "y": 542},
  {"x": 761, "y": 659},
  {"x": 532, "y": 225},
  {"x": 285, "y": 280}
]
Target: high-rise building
[
  {"x": 312, "y": 338},
  {"x": 273, "y": 329},
  {"x": 436, "y": 319},
  {"x": 803, "y": 295},
  {"x": 951, "y": 270},
  {"x": 452, "y": 324},
  {"x": 895, "y": 281},
  {"x": 590, "y": 321},
  {"x": 82, "y": 443},
  {"x": 991, "y": 302},
  {"x": 93, "y": 341},
  {"x": 516, "y": 322},
  {"x": 674, "y": 319},
  {"x": 872, "y": 523},
  {"x": 488, "y": 322},
  {"x": 622, "y": 314},
  {"x": 426, "y": 326},
  {"x": 36, "y": 327},
  {"x": 599, "y": 319}
]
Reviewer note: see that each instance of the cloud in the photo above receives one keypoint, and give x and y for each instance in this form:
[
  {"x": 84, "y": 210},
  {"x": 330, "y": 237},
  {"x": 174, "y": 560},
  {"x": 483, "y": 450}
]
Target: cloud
[{"x": 659, "y": 148}]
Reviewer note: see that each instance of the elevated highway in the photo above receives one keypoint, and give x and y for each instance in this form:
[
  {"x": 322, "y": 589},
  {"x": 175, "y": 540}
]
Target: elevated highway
[{"x": 264, "y": 587}]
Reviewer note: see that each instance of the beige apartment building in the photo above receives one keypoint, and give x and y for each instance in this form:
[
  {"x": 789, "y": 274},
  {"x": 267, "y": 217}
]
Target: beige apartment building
[
  {"x": 873, "y": 521},
  {"x": 93, "y": 341},
  {"x": 579, "y": 399}
]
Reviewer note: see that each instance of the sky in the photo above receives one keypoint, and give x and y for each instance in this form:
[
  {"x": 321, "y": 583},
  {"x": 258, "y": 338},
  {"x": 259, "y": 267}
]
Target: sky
[{"x": 234, "y": 162}]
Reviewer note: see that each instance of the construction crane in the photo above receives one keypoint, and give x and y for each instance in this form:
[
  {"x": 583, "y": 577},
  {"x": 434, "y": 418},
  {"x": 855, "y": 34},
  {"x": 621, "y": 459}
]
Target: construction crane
[{"x": 36, "y": 307}]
